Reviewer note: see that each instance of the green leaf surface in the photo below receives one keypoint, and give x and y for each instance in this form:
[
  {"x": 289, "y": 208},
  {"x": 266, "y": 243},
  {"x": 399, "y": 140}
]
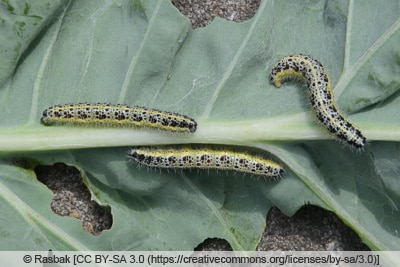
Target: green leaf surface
[{"x": 145, "y": 53}]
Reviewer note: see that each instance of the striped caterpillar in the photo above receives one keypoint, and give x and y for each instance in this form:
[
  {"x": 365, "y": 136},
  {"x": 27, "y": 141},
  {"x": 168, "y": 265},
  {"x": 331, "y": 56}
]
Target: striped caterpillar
[
  {"x": 320, "y": 93},
  {"x": 204, "y": 158},
  {"x": 117, "y": 115}
]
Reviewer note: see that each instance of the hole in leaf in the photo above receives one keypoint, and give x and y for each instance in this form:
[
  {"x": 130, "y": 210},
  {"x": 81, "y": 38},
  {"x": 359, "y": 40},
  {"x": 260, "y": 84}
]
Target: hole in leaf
[
  {"x": 214, "y": 244},
  {"x": 201, "y": 13},
  {"x": 72, "y": 197},
  {"x": 311, "y": 228}
]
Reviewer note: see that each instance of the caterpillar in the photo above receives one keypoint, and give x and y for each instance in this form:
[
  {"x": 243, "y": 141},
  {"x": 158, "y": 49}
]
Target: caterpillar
[
  {"x": 321, "y": 96},
  {"x": 117, "y": 115},
  {"x": 204, "y": 158}
]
